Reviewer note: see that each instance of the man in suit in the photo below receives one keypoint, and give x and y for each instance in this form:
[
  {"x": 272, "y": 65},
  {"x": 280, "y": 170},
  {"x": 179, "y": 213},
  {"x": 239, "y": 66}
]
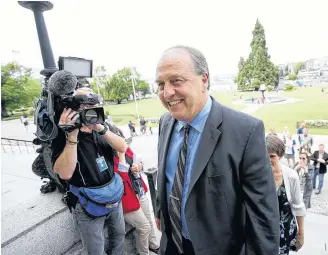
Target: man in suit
[
  {"x": 320, "y": 162},
  {"x": 216, "y": 193}
]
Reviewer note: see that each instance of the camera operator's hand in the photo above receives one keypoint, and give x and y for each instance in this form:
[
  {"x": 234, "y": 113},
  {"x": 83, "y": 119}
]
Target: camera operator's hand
[
  {"x": 97, "y": 127},
  {"x": 68, "y": 118}
]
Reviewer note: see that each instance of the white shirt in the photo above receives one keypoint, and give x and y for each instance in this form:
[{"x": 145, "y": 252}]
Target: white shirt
[
  {"x": 320, "y": 156},
  {"x": 293, "y": 190}
]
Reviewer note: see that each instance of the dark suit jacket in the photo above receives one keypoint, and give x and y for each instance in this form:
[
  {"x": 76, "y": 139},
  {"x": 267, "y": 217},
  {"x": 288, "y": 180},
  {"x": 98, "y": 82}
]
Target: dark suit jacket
[
  {"x": 323, "y": 167},
  {"x": 232, "y": 205}
]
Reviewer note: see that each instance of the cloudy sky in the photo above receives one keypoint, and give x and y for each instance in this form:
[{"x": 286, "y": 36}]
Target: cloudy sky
[{"x": 135, "y": 33}]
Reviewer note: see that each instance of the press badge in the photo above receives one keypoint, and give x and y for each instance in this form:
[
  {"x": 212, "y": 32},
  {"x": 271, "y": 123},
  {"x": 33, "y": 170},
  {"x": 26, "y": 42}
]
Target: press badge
[{"x": 102, "y": 165}]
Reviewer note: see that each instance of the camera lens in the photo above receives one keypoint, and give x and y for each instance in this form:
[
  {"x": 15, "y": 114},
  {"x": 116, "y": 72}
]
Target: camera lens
[{"x": 91, "y": 116}]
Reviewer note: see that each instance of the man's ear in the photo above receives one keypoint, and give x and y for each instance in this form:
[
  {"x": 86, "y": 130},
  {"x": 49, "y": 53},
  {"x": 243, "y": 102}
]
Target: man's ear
[{"x": 205, "y": 82}]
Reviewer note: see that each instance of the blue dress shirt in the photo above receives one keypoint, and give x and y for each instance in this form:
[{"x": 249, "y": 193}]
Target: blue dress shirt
[{"x": 195, "y": 132}]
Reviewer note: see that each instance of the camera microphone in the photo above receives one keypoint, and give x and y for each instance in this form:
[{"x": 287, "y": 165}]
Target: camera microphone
[{"x": 62, "y": 83}]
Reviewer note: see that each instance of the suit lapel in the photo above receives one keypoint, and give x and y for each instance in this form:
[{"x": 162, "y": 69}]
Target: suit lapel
[
  {"x": 164, "y": 142},
  {"x": 207, "y": 144}
]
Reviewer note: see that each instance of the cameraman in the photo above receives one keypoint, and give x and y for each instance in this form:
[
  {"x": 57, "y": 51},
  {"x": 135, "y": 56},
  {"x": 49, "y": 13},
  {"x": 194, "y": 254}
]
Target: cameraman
[{"x": 84, "y": 158}]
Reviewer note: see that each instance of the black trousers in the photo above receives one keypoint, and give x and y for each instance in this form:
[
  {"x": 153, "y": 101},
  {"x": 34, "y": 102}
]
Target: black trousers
[{"x": 187, "y": 247}]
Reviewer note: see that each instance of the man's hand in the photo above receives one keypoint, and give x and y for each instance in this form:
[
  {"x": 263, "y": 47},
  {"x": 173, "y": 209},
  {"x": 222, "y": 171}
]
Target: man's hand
[
  {"x": 68, "y": 118},
  {"x": 135, "y": 168},
  {"x": 321, "y": 161},
  {"x": 97, "y": 127},
  {"x": 277, "y": 173},
  {"x": 158, "y": 224}
]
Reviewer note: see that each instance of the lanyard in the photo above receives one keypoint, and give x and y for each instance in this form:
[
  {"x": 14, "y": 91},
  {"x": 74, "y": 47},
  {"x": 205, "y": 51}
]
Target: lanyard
[{"x": 96, "y": 141}]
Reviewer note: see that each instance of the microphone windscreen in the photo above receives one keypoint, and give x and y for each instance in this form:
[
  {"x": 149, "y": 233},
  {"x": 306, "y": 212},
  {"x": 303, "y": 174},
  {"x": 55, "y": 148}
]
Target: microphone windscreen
[{"x": 62, "y": 83}]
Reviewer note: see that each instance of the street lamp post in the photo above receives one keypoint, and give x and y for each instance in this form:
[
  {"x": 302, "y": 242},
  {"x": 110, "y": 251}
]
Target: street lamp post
[
  {"x": 38, "y": 7},
  {"x": 134, "y": 92}
]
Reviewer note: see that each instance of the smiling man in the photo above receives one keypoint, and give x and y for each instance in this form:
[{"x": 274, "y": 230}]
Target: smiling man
[{"x": 216, "y": 193}]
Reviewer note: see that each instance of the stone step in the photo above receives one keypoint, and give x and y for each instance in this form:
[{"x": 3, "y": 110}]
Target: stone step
[{"x": 44, "y": 226}]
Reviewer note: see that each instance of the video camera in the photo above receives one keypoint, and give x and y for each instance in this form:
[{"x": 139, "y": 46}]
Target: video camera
[{"x": 89, "y": 113}]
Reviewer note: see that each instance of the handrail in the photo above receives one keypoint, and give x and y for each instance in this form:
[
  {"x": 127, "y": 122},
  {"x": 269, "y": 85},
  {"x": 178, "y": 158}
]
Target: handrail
[
  {"x": 13, "y": 139},
  {"x": 22, "y": 145}
]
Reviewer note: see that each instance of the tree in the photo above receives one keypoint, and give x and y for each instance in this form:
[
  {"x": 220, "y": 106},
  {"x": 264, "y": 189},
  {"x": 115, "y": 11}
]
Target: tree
[
  {"x": 299, "y": 66},
  {"x": 242, "y": 78},
  {"x": 32, "y": 91},
  {"x": 121, "y": 85},
  {"x": 292, "y": 77},
  {"x": 16, "y": 86},
  {"x": 100, "y": 80},
  {"x": 258, "y": 68},
  {"x": 143, "y": 87}
]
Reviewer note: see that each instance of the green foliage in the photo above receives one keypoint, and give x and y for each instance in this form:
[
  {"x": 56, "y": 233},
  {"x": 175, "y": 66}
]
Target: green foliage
[
  {"x": 143, "y": 87},
  {"x": 292, "y": 77},
  {"x": 18, "y": 88},
  {"x": 100, "y": 82},
  {"x": 256, "y": 83},
  {"x": 269, "y": 88},
  {"x": 290, "y": 87},
  {"x": 258, "y": 68},
  {"x": 242, "y": 79},
  {"x": 299, "y": 66},
  {"x": 120, "y": 85}
]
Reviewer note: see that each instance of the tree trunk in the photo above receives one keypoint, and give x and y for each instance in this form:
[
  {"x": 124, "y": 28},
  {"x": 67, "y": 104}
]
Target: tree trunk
[
  {"x": 118, "y": 101},
  {"x": 4, "y": 113}
]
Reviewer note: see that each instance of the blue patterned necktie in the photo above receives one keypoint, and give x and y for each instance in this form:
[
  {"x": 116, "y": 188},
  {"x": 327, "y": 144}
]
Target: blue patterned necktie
[{"x": 175, "y": 201}]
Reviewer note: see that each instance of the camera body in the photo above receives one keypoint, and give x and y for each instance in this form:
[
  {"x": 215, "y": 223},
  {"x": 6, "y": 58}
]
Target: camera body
[{"x": 89, "y": 114}]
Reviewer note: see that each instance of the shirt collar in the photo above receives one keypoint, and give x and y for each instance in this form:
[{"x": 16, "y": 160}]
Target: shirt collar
[{"x": 199, "y": 121}]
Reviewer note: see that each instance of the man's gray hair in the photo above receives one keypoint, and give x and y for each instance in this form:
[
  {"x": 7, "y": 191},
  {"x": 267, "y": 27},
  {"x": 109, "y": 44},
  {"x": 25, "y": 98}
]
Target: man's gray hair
[{"x": 200, "y": 63}]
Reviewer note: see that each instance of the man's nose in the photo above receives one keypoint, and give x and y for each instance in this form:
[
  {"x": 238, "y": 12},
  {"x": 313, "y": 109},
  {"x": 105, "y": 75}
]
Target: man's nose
[{"x": 169, "y": 91}]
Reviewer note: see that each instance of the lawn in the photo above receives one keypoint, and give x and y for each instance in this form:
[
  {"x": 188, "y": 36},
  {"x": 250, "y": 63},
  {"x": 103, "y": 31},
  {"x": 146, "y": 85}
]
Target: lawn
[
  {"x": 314, "y": 106},
  {"x": 153, "y": 108}
]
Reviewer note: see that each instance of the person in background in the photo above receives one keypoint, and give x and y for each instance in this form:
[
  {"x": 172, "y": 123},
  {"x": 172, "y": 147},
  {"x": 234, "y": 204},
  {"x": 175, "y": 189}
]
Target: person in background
[
  {"x": 320, "y": 162},
  {"x": 305, "y": 172},
  {"x": 285, "y": 134},
  {"x": 135, "y": 202},
  {"x": 143, "y": 128},
  {"x": 272, "y": 132},
  {"x": 150, "y": 126},
  {"x": 290, "y": 144},
  {"x": 307, "y": 138},
  {"x": 291, "y": 205},
  {"x": 24, "y": 120},
  {"x": 300, "y": 132},
  {"x": 132, "y": 128},
  {"x": 306, "y": 149}
]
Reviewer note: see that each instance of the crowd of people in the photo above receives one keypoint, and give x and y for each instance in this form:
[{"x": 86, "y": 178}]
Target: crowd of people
[
  {"x": 221, "y": 188},
  {"x": 310, "y": 165},
  {"x": 144, "y": 125}
]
